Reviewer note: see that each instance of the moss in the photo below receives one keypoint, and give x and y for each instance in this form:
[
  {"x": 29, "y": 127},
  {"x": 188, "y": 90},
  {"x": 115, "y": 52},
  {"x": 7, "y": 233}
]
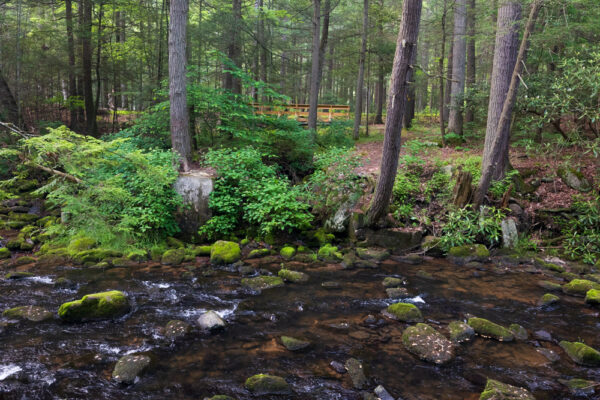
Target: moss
[
  {"x": 294, "y": 344},
  {"x": 470, "y": 250},
  {"x": 4, "y": 253},
  {"x": 22, "y": 217},
  {"x": 94, "y": 255},
  {"x": 18, "y": 275},
  {"x": 137, "y": 255},
  {"x": 372, "y": 254},
  {"x": 52, "y": 260},
  {"x": 97, "y": 306},
  {"x": 489, "y": 329},
  {"x": 460, "y": 331},
  {"x": 293, "y": 276},
  {"x": 46, "y": 222},
  {"x": 223, "y": 252},
  {"x": 323, "y": 237},
  {"x": 15, "y": 224},
  {"x": 81, "y": 244},
  {"x": 306, "y": 257},
  {"x": 405, "y": 312},
  {"x": 30, "y": 313},
  {"x": 258, "y": 253},
  {"x": 156, "y": 252},
  {"x": 287, "y": 252},
  {"x": 581, "y": 353},
  {"x": 390, "y": 281},
  {"x": 202, "y": 251},
  {"x": 262, "y": 282},
  {"x": 175, "y": 243},
  {"x": 549, "y": 285},
  {"x": 495, "y": 390},
  {"x": 14, "y": 244},
  {"x": 548, "y": 299},
  {"x": 24, "y": 260},
  {"x": 244, "y": 242},
  {"x": 592, "y": 297},
  {"x": 173, "y": 257},
  {"x": 26, "y": 245},
  {"x": 329, "y": 253},
  {"x": 549, "y": 266},
  {"x": 579, "y": 287},
  {"x": 264, "y": 384}
]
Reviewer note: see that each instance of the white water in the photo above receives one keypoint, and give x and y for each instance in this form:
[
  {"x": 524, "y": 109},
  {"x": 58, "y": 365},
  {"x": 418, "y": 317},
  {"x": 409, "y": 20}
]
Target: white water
[{"x": 8, "y": 370}]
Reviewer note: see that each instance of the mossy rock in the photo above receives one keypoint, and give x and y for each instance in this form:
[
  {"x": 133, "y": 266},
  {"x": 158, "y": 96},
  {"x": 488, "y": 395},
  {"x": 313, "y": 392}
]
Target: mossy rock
[
  {"x": 264, "y": 384},
  {"x": 488, "y": 329},
  {"x": 581, "y": 353},
  {"x": 552, "y": 286},
  {"x": 137, "y": 255},
  {"x": 323, "y": 237},
  {"x": 460, "y": 332},
  {"x": 18, "y": 275},
  {"x": 244, "y": 242},
  {"x": 405, "y": 312},
  {"x": 52, "y": 260},
  {"x": 22, "y": 217},
  {"x": 519, "y": 332},
  {"x": 14, "y": 244},
  {"x": 26, "y": 245},
  {"x": 356, "y": 372},
  {"x": 94, "y": 255},
  {"x": 223, "y": 252},
  {"x": 549, "y": 266},
  {"x": 263, "y": 282},
  {"x": 29, "y": 313},
  {"x": 173, "y": 257},
  {"x": 46, "y": 222},
  {"x": 579, "y": 287},
  {"x": 259, "y": 253},
  {"x": 202, "y": 251},
  {"x": 476, "y": 251},
  {"x": 592, "y": 297},
  {"x": 307, "y": 258},
  {"x": 96, "y": 306},
  {"x": 175, "y": 243},
  {"x": 129, "y": 367},
  {"x": 372, "y": 254},
  {"x": 24, "y": 261},
  {"x": 287, "y": 252},
  {"x": 329, "y": 253},
  {"x": 495, "y": 390},
  {"x": 390, "y": 282},
  {"x": 4, "y": 253},
  {"x": 573, "y": 178},
  {"x": 293, "y": 276},
  {"x": 548, "y": 300},
  {"x": 581, "y": 387},
  {"x": 219, "y": 397},
  {"x": 428, "y": 344},
  {"x": 12, "y": 224},
  {"x": 81, "y": 244},
  {"x": 294, "y": 344}
]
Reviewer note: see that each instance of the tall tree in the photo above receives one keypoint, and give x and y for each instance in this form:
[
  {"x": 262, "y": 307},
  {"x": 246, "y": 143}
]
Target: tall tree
[
  {"x": 234, "y": 48},
  {"x": 459, "y": 49},
  {"x": 180, "y": 130},
  {"x": 498, "y": 153},
  {"x": 313, "y": 101},
  {"x": 441, "y": 72},
  {"x": 9, "y": 112},
  {"x": 360, "y": 81},
  {"x": 72, "y": 89},
  {"x": 86, "y": 60},
  {"x": 380, "y": 86},
  {"x": 401, "y": 75},
  {"x": 470, "y": 79}
]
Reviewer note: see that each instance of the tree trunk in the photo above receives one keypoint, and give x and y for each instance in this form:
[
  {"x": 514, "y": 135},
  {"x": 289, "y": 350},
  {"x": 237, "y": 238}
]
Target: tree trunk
[
  {"x": 161, "y": 29},
  {"x": 380, "y": 88},
  {"x": 469, "y": 114},
  {"x": 409, "y": 112},
  {"x": 9, "y": 112},
  {"x": 71, "y": 50},
  {"x": 401, "y": 75},
  {"x": 459, "y": 54},
  {"x": 499, "y": 151},
  {"x": 507, "y": 42},
  {"x": 98, "y": 58},
  {"x": 448, "y": 87},
  {"x": 361, "y": 72},
  {"x": 234, "y": 50},
  {"x": 313, "y": 102},
  {"x": 180, "y": 132},
  {"x": 86, "y": 59},
  {"x": 324, "y": 40},
  {"x": 441, "y": 72}
]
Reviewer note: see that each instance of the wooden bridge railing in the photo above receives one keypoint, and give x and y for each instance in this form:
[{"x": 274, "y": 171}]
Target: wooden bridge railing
[{"x": 299, "y": 112}]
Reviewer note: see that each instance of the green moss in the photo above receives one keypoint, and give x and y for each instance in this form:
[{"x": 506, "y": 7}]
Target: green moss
[
  {"x": 137, "y": 255},
  {"x": 519, "y": 332},
  {"x": 46, "y": 222},
  {"x": 390, "y": 281},
  {"x": 495, "y": 390},
  {"x": 258, "y": 253},
  {"x": 262, "y": 282},
  {"x": 175, "y": 243},
  {"x": 223, "y": 252},
  {"x": 372, "y": 254},
  {"x": 18, "y": 275},
  {"x": 592, "y": 297},
  {"x": 173, "y": 257},
  {"x": 94, "y": 255},
  {"x": 489, "y": 329},
  {"x": 405, "y": 312},
  {"x": 244, "y": 242},
  {"x": 288, "y": 252},
  {"x": 81, "y": 244},
  {"x": 581, "y": 353},
  {"x": 30, "y": 313},
  {"x": 548, "y": 299},
  {"x": 202, "y": 251},
  {"x": 460, "y": 331},
  {"x": 264, "y": 384},
  {"x": 579, "y": 287},
  {"x": 22, "y": 217},
  {"x": 293, "y": 276},
  {"x": 323, "y": 237},
  {"x": 294, "y": 344},
  {"x": 156, "y": 252},
  {"x": 471, "y": 250},
  {"x": 329, "y": 253},
  {"x": 549, "y": 266},
  {"x": 4, "y": 253},
  {"x": 24, "y": 260},
  {"x": 14, "y": 244},
  {"x": 549, "y": 285},
  {"x": 96, "y": 306}
]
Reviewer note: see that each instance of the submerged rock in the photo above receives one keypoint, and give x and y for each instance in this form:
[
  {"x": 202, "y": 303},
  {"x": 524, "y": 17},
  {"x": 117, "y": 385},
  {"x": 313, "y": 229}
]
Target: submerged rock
[
  {"x": 372, "y": 254},
  {"x": 129, "y": 367},
  {"x": 552, "y": 286},
  {"x": 356, "y": 372},
  {"x": 486, "y": 328},
  {"x": 223, "y": 252},
  {"x": 219, "y": 397},
  {"x": 428, "y": 344},
  {"x": 264, "y": 384},
  {"x": 592, "y": 297},
  {"x": 405, "y": 312},
  {"x": 495, "y": 390},
  {"x": 294, "y": 344},
  {"x": 96, "y": 306},
  {"x": 382, "y": 394},
  {"x": 519, "y": 332},
  {"x": 258, "y": 253},
  {"x": 396, "y": 293},
  {"x": 390, "y": 282},
  {"x": 30, "y": 313},
  {"x": 262, "y": 282},
  {"x": 293, "y": 276},
  {"x": 176, "y": 329},
  {"x": 581, "y": 387},
  {"x": 460, "y": 332},
  {"x": 579, "y": 287},
  {"x": 548, "y": 300},
  {"x": 18, "y": 275},
  {"x": 211, "y": 321},
  {"x": 581, "y": 353}
]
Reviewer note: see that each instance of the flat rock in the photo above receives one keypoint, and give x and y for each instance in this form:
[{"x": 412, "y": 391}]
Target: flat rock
[
  {"x": 357, "y": 374},
  {"x": 428, "y": 344},
  {"x": 495, "y": 390},
  {"x": 294, "y": 344},
  {"x": 29, "y": 313}
]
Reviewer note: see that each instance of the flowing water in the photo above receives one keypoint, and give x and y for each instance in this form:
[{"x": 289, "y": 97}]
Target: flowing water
[{"x": 56, "y": 360}]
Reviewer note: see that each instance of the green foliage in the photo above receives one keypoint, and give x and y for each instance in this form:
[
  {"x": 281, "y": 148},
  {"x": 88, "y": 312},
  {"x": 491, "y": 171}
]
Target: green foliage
[
  {"x": 249, "y": 193},
  {"x": 335, "y": 134},
  {"x": 465, "y": 226},
  {"x": 438, "y": 186},
  {"x": 470, "y": 164},
  {"x": 583, "y": 232},
  {"x": 498, "y": 188}
]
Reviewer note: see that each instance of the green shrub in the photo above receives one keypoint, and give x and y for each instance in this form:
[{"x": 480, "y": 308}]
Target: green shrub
[
  {"x": 336, "y": 134},
  {"x": 470, "y": 164},
  {"x": 465, "y": 226},
  {"x": 583, "y": 232}
]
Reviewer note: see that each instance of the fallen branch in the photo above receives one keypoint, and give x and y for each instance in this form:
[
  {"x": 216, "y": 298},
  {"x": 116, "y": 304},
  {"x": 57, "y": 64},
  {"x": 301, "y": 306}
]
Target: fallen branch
[
  {"x": 12, "y": 128},
  {"x": 68, "y": 177}
]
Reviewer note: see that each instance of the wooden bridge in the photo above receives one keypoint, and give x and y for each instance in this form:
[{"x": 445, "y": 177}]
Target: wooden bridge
[{"x": 299, "y": 112}]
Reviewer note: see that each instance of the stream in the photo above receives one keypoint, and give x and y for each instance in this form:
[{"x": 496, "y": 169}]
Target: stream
[{"x": 56, "y": 360}]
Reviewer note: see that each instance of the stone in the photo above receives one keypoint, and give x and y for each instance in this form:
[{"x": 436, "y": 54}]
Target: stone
[
  {"x": 581, "y": 353},
  {"x": 396, "y": 293},
  {"x": 549, "y": 354},
  {"x": 411, "y": 259},
  {"x": 224, "y": 253},
  {"x": 390, "y": 282},
  {"x": 129, "y": 367},
  {"x": 356, "y": 372},
  {"x": 548, "y": 300},
  {"x": 592, "y": 297},
  {"x": 555, "y": 265},
  {"x": 259, "y": 253},
  {"x": 202, "y": 251},
  {"x": 470, "y": 252},
  {"x": 573, "y": 179},
  {"x": 293, "y": 276},
  {"x": 460, "y": 331},
  {"x": 195, "y": 188},
  {"x": 173, "y": 257},
  {"x": 262, "y": 282},
  {"x": 211, "y": 321},
  {"x": 96, "y": 306},
  {"x": 331, "y": 285},
  {"x": 264, "y": 384},
  {"x": 428, "y": 344},
  {"x": 294, "y": 344},
  {"x": 396, "y": 240},
  {"x": 329, "y": 253},
  {"x": 579, "y": 287},
  {"x": 549, "y": 286},
  {"x": 29, "y": 313},
  {"x": 431, "y": 246},
  {"x": 4, "y": 253},
  {"x": 495, "y": 390},
  {"x": 176, "y": 329},
  {"x": 543, "y": 335},
  {"x": 488, "y": 329},
  {"x": 80, "y": 244},
  {"x": 287, "y": 252},
  {"x": 24, "y": 260},
  {"x": 137, "y": 255},
  {"x": 580, "y": 387},
  {"x": 519, "y": 332},
  {"x": 372, "y": 254},
  {"x": 382, "y": 394},
  {"x": 323, "y": 237},
  {"x": 405, "y": 312},
  {"x": 18, "y": 275},
  {"x": 338, "y": 367},
  {"x": 510, "y": 234}
]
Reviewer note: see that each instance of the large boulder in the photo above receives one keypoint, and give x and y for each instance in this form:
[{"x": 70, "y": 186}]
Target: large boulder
[
  {"x": 195, "y": 188},
  {"x": 129, "y": 367},
  {"x": 488, "y": 329},
  {"x": 173, "y": 257},
  {"x": 223, "y": 252},
  {"x": 495, "y": 390},
  {"x": 581, "y": 353},
  {"x": 428, "y": 344},
  {"x": 96, "y": 306},
  {"x": 574, "y": 179},
  {"x": 579, "y": 287},
  {"x": 264, "y": 384}
]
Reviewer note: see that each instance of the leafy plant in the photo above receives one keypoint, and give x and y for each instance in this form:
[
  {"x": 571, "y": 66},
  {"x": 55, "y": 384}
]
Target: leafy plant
[
  {"x": 498, "y": 188},
  {"x": 583, "y": 232},
  {"x": 465, "y": 226}
]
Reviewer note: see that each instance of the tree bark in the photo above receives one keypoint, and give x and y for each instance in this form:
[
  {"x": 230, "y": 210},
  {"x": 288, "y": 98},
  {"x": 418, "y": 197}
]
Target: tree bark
[
  {"x": 496, "y": 155},
  {"x": 180, "y": 131},
  {"x": 448, "y": 87},
  {"x": 324, "y": 39},
  {"x": 361, "y": 72},
  {"x": 401, "y": 75},
  {"x": 441, "y": 72},
  {"x": 313, "y": 101},
  {"x": 470, "y": 80},
  {"x": 9, "y": 112},
  {"x": 71, "y": 50},
  {"x": 409, "y": 112},
  {"x": 234, "y": 50},
  {"x": 459, "y": 54},
  {"x": 86, "y": 59},
  {"x": 506, "y": 48}
]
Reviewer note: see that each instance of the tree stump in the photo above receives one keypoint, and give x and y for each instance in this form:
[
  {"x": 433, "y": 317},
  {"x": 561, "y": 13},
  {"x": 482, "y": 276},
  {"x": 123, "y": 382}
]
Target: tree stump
[{"x": 463, "y": 190}]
